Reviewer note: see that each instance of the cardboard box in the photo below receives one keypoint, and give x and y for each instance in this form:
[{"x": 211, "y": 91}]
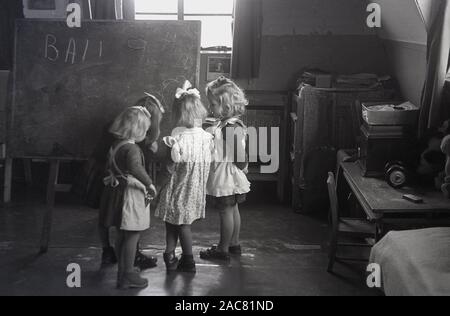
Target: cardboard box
[
  {"x": 392, "y": 113},
  {"x": 324, "y": 81}
]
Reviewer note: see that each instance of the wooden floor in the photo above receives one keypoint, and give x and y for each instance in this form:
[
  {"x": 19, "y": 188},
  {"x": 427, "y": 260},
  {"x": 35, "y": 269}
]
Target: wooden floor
[{"x": 284, "y": 254}]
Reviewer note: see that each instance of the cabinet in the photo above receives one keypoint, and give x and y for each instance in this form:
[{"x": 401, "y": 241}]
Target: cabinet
[
  {"x": 268, "y": 109},
  {"x": 322, "y": 122}
]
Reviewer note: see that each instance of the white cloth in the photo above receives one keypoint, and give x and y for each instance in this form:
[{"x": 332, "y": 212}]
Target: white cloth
[
  {"x": 135, "y": 214},
  {"x": 225, "y": 178},
  {"x": 414, "y": 263}
]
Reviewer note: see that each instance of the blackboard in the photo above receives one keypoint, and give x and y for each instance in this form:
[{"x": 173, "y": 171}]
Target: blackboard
[{"x": 70, "y": 82}]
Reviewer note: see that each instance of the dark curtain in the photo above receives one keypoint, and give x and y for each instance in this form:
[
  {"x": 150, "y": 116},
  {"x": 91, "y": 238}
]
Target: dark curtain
[
  {"x": 433, "y": 110},
  {"x": 9, "y": 11},
  {"x": 103, "y": 9},
  {"x": 247, "y": 34}
]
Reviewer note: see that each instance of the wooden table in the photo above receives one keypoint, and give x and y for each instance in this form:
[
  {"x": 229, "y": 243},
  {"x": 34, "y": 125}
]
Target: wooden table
[
  {"x": 53, "y": 186},
  {"x": 385, "y": 205}
]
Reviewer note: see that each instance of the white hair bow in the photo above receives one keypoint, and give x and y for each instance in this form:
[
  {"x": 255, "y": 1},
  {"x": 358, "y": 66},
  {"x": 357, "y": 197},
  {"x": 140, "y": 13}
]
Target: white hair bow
[
  {"x": 187, "y": 90},
  {"x": 143, "y": 110}
]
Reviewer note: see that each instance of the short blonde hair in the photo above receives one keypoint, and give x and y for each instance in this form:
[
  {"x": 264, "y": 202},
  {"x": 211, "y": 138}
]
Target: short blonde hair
[
  {"x": 228, "y": 95},
  {"x": 189, "y": 111},
  {"x": 132, "y": 124}
]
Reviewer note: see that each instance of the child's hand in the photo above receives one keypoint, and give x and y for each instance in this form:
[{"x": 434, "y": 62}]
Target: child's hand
[
  {"x": 154, "y": 147},
  {"x": 152, "y": 191}
]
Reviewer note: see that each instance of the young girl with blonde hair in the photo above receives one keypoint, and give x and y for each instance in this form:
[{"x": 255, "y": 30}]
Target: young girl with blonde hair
[
  {"x": 227, "y": 184},
  {"x": 182, "y": 200},
  {"x": 128, "y": 190}
]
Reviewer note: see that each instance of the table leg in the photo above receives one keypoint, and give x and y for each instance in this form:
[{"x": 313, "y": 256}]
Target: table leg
[
  {"x": 48, "y": 216},
  {"x": 27, "y": 171},
  {"x": 7, "y": 180}
]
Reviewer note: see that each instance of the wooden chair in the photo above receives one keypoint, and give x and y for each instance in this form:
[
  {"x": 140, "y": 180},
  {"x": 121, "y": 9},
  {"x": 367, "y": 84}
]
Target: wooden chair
[{"x": 350, "y": 227}]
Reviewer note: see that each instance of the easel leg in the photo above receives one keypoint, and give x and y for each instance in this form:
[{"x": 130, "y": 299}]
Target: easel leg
[
  {"x": 48, "y": 216},
  {"x": 7, "y": 180},
  {"x": 27, "y": 171}
]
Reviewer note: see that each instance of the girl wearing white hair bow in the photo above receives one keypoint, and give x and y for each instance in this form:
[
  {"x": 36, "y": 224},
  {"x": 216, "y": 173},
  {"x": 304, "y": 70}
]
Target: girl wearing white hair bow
[{"x": 182, "y": 199}]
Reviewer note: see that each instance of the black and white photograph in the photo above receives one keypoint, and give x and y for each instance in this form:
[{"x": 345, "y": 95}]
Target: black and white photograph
[
  {"x": 44, "y": 8},
  {"x": 218, "y": 67},
  {"x": 225, "y": 155},
  {"x": 41, "y": 4}
]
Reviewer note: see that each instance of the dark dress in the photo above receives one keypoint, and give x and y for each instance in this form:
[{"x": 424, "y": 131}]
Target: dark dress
[
  {"x": 130, "y": 160},
  {"x": 89, "y": 185}
]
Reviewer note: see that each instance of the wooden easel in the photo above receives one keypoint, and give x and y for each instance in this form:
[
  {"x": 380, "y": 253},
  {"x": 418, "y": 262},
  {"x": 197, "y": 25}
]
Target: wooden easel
[{"x": 52, "y": 188}]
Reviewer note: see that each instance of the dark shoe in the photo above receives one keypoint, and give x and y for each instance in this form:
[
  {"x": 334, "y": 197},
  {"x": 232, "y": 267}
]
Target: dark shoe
[
  {"x": 143, "y": 262},
  {"x": 109, "y": 256},
  {"x": 171, "y": 261},
  {"x": 236, "y": 250},
  {"x": 214, "y": 254},
  {"x": 132, "y": 281},
  {"x": 187, "y": 264}
]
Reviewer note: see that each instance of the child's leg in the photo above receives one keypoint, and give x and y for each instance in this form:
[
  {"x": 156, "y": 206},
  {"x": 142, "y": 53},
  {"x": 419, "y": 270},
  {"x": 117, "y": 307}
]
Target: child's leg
[
  {"x": 235, "y": 239},
  {"x": 128, "y": 250},
  {"x": 186, "y": 239},
  {"x": 103, "y": 233},
  {"x": 128, "y": 278},
  {"x": 119, "y": 246},
  {"x": 226, "y": 228},
  {"x": 187, "y": 263},
  {"x": 108, "y": 254},
  {"x": 172, "y": 234}
]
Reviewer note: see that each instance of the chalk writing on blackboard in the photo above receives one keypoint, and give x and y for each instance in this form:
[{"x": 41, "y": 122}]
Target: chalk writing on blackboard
[
  {"x": 71, "y": 50},
  {"x": 86, "y": 47},
  {"x": 77, "y": 100},
  {"x": 50, "y": 41},
  {"x": 52, "y": 52},
  {"x": 137, "y": 44}
]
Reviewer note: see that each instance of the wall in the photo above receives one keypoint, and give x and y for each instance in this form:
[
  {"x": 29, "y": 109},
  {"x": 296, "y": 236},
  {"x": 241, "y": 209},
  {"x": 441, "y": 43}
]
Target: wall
[
  {"x": 331, "y": 35},
  {"x": 404, "y": 33}
]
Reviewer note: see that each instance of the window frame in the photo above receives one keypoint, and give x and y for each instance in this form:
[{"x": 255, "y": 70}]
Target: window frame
[{"x": 181, "y": 17}]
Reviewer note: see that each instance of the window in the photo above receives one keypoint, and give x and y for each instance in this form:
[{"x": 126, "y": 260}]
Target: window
[{"x": 216, "y": 17}]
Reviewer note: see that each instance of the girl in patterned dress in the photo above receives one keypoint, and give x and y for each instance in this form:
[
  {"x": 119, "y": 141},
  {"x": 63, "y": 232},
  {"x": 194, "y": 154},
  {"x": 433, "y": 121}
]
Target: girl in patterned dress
[{"x": 182, "y": 199}]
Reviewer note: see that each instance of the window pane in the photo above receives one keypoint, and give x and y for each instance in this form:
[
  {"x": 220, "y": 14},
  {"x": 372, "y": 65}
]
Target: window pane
[
  {"x": 157, "y": 6},
  {"x": 208, "y": 6},
  {"x": 156, "y": 17},
  {"x": 216, "y": 30}
]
